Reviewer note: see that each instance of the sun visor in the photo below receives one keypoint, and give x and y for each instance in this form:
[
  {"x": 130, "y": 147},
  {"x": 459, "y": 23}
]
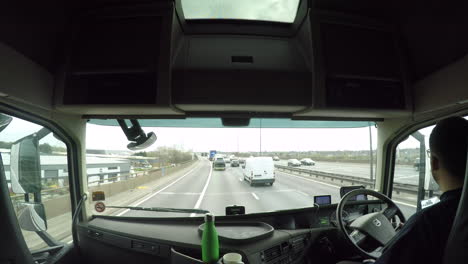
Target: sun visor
[{"x": 254, "y": 123}]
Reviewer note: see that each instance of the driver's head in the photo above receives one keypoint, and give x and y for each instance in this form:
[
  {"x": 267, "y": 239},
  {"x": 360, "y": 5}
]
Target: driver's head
[{"x": 448, "y": 144}]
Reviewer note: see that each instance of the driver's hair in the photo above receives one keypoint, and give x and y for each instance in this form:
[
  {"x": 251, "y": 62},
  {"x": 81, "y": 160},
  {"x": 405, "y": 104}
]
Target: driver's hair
[{"x": 448, "y": 142}]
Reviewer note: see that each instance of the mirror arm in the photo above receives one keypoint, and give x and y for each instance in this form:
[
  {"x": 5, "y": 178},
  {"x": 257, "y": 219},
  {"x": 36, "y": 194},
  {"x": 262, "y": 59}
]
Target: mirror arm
[
  {"x": 133, "y": 132},
  {"x": 50, "y": 241},
  {"x": 37, "y": 197},
  {"x": 42, "y": 133},
  {"x": 422, "y": 167}
]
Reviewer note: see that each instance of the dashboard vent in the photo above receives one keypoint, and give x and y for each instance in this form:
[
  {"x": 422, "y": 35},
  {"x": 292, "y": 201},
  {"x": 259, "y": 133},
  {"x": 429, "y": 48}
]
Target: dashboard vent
[
  {"x": 272, "y": 253},
  {"x": 298, "y": 243}
]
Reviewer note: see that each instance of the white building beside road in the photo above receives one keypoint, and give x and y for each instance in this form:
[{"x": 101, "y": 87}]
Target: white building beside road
[{"x": 54, "y": 169}]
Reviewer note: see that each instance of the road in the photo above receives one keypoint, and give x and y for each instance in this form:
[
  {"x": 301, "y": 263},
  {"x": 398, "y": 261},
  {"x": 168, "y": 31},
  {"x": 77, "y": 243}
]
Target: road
[
  {"x": 203, "y": 188},
  {"x": 403, "y": 173}
]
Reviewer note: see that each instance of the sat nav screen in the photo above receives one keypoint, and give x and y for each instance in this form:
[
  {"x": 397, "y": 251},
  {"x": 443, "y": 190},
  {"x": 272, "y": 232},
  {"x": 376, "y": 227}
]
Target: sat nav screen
[
  {"x": 346, "y": 189},
  {"x": 322, "y": 199}
]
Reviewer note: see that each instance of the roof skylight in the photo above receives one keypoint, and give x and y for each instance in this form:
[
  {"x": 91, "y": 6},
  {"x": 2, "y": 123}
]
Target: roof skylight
[{"x": 257, "y": 10}]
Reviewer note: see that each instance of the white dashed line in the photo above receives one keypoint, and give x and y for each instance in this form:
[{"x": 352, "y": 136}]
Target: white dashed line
[
  {"x": 202, "y": 194},
  {"x": 334, "y": 186},
  {"x": 404, "y": 177},
  {"x": 407, "y": 204},
  {"x": 255, "y": 196},
  {"x": 303, "y": 193},
  {"x": 174, "y": 193},
  {"x": 156, "y": 193}
]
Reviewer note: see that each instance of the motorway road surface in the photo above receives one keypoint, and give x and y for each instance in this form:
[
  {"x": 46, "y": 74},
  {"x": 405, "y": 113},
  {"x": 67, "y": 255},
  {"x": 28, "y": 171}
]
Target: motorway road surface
[
  {"x": 204, "y": 188},
  {"x": 403, "y": 173}
]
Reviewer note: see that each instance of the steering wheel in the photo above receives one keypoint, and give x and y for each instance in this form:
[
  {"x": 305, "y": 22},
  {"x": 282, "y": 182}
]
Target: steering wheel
[{"x": 375, "y": 226}]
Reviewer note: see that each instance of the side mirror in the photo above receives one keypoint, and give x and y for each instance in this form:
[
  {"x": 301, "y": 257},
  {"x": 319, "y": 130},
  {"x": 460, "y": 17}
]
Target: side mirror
[
  {"x": 25, "y": 165},
  {"x": 31, "y": 217}
]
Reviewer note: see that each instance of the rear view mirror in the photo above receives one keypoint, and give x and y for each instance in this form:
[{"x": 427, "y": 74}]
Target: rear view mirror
[
  {"x": 25, "y": 170},
  {"x": 31, "y": 217}
]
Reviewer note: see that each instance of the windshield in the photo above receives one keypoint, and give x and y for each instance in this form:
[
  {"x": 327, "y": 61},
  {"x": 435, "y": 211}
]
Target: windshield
[{"x": 190, "y": 166}]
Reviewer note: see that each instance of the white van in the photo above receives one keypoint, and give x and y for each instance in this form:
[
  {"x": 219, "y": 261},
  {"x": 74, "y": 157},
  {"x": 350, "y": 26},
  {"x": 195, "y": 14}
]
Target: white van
[{"x": 259, "y": 170}]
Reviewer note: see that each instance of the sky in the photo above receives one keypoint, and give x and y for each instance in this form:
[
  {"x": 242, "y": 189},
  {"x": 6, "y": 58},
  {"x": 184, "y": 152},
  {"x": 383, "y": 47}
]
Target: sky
[
  {"x": 19, "y": 128},
  {"x": 238, "y": 139},
  {"x": 267, "y": 10},
  {"x": 222, "y": 139}
]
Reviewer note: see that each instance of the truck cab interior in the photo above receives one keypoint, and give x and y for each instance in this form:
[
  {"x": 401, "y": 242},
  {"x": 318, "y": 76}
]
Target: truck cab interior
[{"x": 112, "y": 110}]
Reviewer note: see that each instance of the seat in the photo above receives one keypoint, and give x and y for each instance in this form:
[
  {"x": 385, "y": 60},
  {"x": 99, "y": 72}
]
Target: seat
[{"x": 457, "y": 243}]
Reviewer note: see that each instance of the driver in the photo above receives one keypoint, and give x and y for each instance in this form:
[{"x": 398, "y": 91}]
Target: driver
[{"x": 424, "y": 235}]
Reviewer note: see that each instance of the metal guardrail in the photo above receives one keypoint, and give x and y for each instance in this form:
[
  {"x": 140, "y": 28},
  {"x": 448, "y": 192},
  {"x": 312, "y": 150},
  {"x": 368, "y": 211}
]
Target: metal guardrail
[{"x": 397, "y": 187}]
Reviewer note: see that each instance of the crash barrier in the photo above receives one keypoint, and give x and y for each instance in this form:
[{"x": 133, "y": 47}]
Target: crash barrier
[
  {"x": 353, "y": 180},
  {"x": 57, "y": 200}
]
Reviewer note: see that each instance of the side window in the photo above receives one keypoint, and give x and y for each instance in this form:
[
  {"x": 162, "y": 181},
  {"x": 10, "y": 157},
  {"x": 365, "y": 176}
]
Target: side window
[
  {"x": 36, "y": 170},
  {"x": 413, "y": 185}
]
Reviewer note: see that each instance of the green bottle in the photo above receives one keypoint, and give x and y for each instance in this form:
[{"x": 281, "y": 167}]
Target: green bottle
[{"x": 210, "y": 242}]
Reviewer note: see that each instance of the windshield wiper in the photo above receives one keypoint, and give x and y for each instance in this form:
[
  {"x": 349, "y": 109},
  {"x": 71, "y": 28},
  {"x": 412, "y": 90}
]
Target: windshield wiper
[{"x": 162, "y": 209}]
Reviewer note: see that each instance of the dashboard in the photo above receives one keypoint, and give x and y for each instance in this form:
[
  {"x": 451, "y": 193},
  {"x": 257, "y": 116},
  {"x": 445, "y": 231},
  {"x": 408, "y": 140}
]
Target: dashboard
[{"x": 298, "y": 236}]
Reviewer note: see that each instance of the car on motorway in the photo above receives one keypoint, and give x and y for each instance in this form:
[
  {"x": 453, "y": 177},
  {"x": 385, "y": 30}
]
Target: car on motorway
[
  {"x": 294, "y": 163},
  {"x": 307, "y": 162},
  {"x": 234, "y": 163},
  {"x": 259, "y": 170},
  {"x": 219, "y": 164},
  {"x": 276, "y": 158}
]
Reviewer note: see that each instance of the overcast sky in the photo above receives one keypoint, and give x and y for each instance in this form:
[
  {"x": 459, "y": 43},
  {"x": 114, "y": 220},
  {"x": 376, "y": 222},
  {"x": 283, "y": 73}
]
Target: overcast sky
[
  {"x": 222, "y": 139},
  {"x": 267, "y": 10},
  {"x": 242, "y": 139}
]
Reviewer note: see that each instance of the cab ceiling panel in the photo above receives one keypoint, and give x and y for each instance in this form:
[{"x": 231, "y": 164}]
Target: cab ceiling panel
[
  {"x": 358, "y": 67},
  {"x": 118, "y": 58},
  {"x": 241, "y": 70},
  {"x": 434, "y": 32},
  {"x": 36, "y": 28}
]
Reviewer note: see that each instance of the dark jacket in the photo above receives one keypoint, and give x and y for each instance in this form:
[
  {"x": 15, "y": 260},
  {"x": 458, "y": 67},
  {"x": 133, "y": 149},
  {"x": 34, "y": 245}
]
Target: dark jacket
[{"x": 424, "y": 235}]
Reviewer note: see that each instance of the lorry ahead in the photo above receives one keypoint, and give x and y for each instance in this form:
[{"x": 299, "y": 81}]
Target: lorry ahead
[
  {"x": 212, "y": 154},
  {"x": 259, "y": 170}
]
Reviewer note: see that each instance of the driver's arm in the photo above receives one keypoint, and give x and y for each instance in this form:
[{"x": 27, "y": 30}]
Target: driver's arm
[{"x": 410, "y": 245}]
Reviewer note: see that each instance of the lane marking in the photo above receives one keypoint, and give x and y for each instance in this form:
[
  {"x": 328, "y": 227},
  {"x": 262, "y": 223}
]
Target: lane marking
[
  {"x": 303, "y": 193},
  {"x": 334, "y": 186},
  {"x": 156, "y": 193},
  {"x": 407, "y": 204},
  {"x": 241, "y": 180},
  {"x": 202, "y": 194},
  {"x": 395, "y": 201},
  {"x": 175, "y": 193},
  {"x": 405, "y": 177},
  {"x": 255, "y": 196}
]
